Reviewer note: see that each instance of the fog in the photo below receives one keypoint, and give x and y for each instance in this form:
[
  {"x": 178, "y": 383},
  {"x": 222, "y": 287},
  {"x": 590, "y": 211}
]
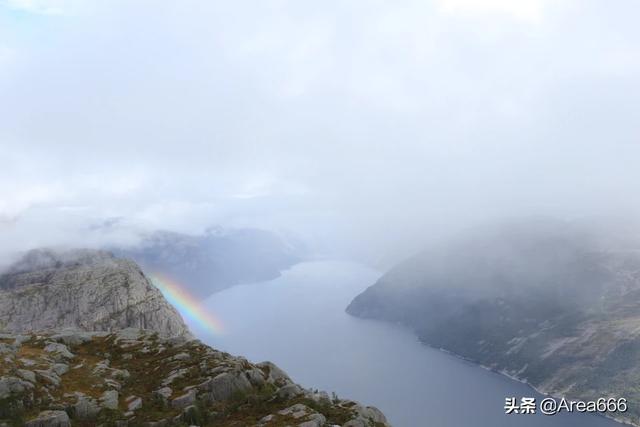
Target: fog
[{"x": 365, "y": 126}]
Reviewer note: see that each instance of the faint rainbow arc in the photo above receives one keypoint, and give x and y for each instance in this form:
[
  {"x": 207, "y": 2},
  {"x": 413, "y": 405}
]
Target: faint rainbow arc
[{"x": 187, "y": 304}]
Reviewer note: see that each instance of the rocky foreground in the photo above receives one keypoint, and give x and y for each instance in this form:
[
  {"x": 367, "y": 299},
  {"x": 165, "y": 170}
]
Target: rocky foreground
[
  {"x": 86, "y": 340},
  {"x": 136, "y": 378}
]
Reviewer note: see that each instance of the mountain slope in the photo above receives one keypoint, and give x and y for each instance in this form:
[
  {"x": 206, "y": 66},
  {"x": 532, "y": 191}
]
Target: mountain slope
[{"x": 544, "y": 302}]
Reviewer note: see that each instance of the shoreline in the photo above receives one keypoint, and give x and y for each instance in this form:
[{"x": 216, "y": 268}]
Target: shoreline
[{"x": 619, "y": 420}]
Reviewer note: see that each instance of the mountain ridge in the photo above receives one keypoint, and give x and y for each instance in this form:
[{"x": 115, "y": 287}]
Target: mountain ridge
[{"x": 215, "y": 260}]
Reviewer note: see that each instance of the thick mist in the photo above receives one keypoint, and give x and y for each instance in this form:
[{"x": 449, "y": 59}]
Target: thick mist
[{"x": 366, "y": 128}]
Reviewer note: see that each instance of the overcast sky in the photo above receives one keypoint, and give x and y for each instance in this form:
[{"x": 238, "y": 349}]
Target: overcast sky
[{"x": 372, "y": 123}]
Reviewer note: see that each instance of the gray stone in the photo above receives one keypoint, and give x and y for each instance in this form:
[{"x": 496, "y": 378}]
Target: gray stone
[
  {"x": 289, "y": 391},
  {"x": 6, "y": 348},
  {"x": 49, "y": 377},
  {"x": 189, "y": 414},
  {"x": 356, "y": 423},
  {"x": 60, "y": 368},
  {"x": 224, "y": 385},
  {"x": 27, "y": 375},
  {"x": 59, "y": 349},
  {"x": 315, "y": 420},
  {"x": 85, "y": 408},
  {"x": 296, "y": 411},
  {"x": 113, "y": 384},
  {"x": 174, "y": 375},
  {"x": 120, "y": 374},
  {"x": 185, "y": 400},
  {"x": 133, "y": 403},
  {"x": 275, "y": 375},
  {"x": 370, "y": 413},
  {"x": 73, "y": 338},
  {"x": 50, "y": 419},
  {"x": 255, "y": 377},
  {"x": 266, "y": 419},
  {"x": 163, "y": 394},
  {"x": 109, "y": 399},
  {"x": 181, "y": 357},
  {"x": 27, "y": 362},
  {"x": 13, "y": 385}
]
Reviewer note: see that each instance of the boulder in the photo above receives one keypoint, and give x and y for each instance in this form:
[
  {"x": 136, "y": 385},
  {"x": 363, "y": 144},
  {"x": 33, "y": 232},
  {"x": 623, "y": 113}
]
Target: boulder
[
  {"x": 60, "y": 368},
  {"x": 289, "y": 391},
  {"x": 225, "y": 385},
  {"x": 109, "y": 399},
  {"x": 27, "y": 375},
  {"x": 370, "y": 413},
  {"x": 85, "y": 408},
  {"x": 50, "y": 419},
  {"x": 133, "y": 403},
  {"x": 315, "y": 420},
  {"x": 60, "y": 350},
  {"x": 163, "y": 394},
  {"x": 13, "y": 385},
  {"x": 187, "y": 399},
  {"x": 296, "y": 411},
  {"x": 275, "y": 375}
]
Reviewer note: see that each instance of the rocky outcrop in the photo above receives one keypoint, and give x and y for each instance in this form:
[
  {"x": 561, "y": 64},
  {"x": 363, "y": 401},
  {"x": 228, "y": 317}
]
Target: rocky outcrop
[
  {"x": 137, "y": 378},
  {"x": 83, "y": 289}
]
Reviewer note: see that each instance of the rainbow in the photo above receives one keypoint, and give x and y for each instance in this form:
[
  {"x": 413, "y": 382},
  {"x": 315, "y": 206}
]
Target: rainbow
[{"x": 187, "y": 304}]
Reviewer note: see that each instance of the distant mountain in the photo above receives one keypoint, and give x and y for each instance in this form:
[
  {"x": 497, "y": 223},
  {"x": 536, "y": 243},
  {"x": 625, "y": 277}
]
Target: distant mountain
[
  {"x": 86, "y": 340},
  {"x": 217, "y": 259},
  {"x": 541, "y": 301}
]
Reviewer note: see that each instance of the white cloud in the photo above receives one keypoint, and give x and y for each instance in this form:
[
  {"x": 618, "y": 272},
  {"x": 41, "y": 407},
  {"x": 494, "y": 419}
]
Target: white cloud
[
  {"x": 7, "y": 55},
  {"x": 372, "y": 114},
  {"x": 44, "y": 7},
  {"x": 525, "y": 10}
]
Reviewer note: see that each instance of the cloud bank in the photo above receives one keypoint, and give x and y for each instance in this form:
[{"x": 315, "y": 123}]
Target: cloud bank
[{"x": 366, "y": 124}]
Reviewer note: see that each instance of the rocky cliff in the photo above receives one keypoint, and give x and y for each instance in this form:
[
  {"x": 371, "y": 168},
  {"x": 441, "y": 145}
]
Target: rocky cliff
[
  {"x": 82, "y": 289},
  {"x": 86, "y": 340},
  {"x": 544, "y": 302}
]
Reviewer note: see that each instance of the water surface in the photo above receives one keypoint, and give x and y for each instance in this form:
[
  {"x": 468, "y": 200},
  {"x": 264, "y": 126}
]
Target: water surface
[{"x": 298, "y": 322}]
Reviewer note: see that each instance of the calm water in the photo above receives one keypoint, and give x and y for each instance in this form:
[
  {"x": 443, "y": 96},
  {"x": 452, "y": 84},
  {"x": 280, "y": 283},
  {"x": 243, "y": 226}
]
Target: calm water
[{"x": 298, "y": 322}]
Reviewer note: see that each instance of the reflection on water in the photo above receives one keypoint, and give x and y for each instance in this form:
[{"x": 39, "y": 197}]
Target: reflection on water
[{"x": 298, "y": 322}]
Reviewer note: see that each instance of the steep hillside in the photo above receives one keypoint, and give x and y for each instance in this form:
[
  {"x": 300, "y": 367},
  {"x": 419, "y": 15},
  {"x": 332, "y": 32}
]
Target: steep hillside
[{"x": 544, "y": 302}]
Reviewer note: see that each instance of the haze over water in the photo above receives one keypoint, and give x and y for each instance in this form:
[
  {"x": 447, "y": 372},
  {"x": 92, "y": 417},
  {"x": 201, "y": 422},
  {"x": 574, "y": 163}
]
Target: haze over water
[{"x": 298, "y": 322}]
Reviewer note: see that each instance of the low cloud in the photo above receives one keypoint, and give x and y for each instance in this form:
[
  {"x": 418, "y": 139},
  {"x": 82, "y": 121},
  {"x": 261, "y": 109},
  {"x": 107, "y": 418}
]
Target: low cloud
[{"x": 373, "y": 126}]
